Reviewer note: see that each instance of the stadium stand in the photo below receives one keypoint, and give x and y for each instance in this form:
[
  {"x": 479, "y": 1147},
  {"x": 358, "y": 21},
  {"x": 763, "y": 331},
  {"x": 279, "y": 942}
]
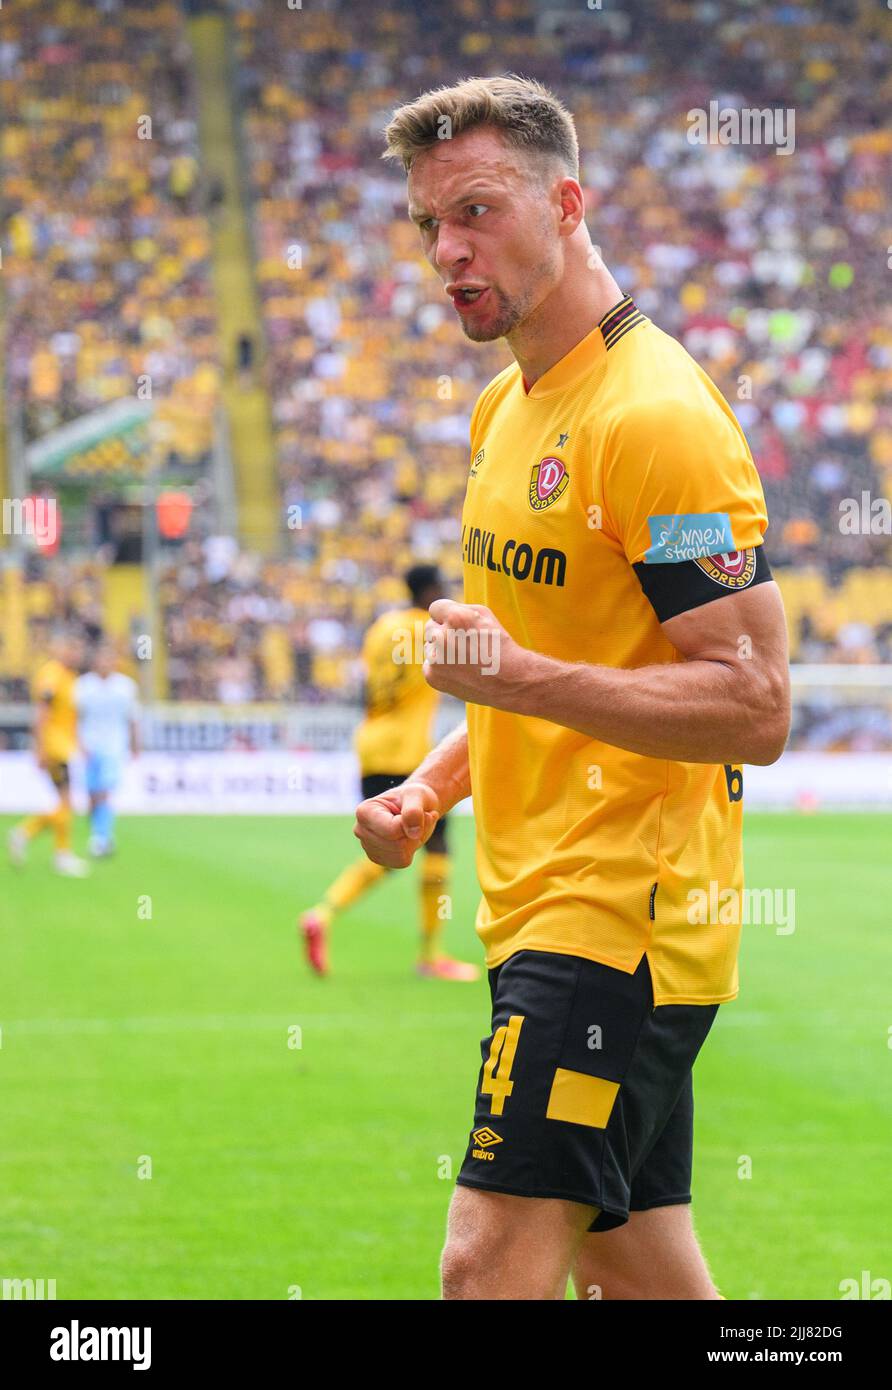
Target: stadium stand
[
  {"x": 772, "y": 270},
  {"x": 106, "y": 263}
]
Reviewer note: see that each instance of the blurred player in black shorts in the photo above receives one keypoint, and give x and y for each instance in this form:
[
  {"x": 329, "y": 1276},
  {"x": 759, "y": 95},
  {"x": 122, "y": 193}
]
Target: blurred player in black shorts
[
  {"x": 390, "y": 742},
  {"x": 55, "y": 744}
]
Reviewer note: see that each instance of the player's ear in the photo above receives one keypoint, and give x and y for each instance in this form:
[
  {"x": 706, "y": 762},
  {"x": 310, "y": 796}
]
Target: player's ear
[{"x": 572, "y": 205}]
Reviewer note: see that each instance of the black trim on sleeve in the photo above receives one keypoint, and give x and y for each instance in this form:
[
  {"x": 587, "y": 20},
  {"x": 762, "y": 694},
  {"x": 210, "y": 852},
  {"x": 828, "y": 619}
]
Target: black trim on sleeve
[{"x": 676, "y": 588}]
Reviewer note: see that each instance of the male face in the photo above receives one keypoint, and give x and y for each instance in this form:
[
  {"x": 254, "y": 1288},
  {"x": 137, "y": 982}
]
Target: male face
[
  {"x": 104, "y": 660},
  {"x": 67, "y": 648},
  {"x": 488, "y": 215}
]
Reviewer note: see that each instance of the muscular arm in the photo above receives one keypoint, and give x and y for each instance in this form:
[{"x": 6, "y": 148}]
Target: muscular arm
[
  {"x": 726, "y": 701},
  {"x": 446, "y": 769}
]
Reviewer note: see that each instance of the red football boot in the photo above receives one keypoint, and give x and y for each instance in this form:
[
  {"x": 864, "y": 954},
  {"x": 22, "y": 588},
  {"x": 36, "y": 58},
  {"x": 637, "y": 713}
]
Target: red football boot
[
  {"x": 445, "y": 968},
  {"x": 314, "y": 929}
]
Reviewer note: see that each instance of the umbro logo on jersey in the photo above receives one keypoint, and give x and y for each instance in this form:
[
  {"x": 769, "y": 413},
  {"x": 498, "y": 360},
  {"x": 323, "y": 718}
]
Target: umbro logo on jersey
[
  {"x": 548, "y": 482},
  {"x": 478, "y": 459}
]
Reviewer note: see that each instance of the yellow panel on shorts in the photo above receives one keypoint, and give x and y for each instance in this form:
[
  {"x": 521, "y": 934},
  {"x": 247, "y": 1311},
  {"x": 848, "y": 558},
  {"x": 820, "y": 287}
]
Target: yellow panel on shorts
[{"x": 581, "y": 1099}]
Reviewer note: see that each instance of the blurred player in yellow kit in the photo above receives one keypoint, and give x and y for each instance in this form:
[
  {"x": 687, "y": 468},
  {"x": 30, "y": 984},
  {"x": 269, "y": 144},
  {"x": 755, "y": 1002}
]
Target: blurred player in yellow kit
[
  {"x": 393, "y": 737},
  {"x": 55, "y": 744}
]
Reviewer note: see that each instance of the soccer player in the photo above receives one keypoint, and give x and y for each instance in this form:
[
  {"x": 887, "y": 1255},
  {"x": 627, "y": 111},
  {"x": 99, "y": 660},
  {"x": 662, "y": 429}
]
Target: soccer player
[
  {"x": 612, "y": 547},
  {"x": 55, "y": 744},
  {"x": 393, "y": 737},
  {"x": 108, "y": 720}
]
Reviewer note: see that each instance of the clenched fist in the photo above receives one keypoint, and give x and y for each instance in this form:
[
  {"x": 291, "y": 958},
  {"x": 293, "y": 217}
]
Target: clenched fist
[
  {"x": 467, "y": 653},
  {"x": 392, "y": 826}
]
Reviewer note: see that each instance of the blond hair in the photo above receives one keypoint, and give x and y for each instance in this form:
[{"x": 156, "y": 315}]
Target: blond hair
[{"x": 526, "y": 114}]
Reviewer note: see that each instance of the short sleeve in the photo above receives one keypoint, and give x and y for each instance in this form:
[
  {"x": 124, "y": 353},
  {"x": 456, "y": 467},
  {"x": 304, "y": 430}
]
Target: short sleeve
[
  {"x": 680, "y": 483},
  {"x": 686, "y": 503}
]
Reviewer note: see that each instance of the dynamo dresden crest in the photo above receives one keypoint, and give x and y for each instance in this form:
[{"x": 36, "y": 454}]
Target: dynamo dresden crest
[
  {"x": 548, "y": 482},
  {"x": 734, "y": 569}
]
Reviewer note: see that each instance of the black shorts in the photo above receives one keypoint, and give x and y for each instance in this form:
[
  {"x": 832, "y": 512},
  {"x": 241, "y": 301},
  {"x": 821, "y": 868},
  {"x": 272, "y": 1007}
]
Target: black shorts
[
  {"x": 374, "y": 783},
  {"x": 586, "y": 1091},
  {"x": 59, "y": 775}
]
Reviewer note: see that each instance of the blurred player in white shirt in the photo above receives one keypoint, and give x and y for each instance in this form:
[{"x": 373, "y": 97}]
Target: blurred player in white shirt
[{"x": 108, "y": 729}]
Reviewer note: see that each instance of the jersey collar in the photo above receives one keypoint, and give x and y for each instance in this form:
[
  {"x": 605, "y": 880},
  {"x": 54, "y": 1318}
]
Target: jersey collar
[{"x": 588, "y": 352}]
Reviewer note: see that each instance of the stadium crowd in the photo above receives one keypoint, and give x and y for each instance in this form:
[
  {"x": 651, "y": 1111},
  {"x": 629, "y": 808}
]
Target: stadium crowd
[
  {"x": 107, "y": 253},
  {"x": 771, "y": 269}
]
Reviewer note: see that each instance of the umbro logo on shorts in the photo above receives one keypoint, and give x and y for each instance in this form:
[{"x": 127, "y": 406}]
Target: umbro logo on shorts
[{"x": 484, "y": 1138}]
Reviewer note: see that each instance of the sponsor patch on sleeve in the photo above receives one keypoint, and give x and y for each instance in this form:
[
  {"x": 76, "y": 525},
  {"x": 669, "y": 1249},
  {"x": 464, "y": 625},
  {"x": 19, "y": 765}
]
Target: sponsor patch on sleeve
[
  {"x": 687, "y": 536},
  {"x": 674, "y": 589}
]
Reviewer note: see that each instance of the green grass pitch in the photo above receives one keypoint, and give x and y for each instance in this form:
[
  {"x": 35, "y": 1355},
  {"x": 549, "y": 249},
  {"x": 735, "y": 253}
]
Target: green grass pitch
[{"x": 325, "y": 1167}]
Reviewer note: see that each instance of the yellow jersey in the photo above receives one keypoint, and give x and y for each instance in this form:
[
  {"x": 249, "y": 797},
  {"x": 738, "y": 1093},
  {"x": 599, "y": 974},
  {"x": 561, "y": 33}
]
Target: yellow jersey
[
  {"x": 620, "y": 468},
  {"x": 400, "y": 705},
  {"x": 53, "y": 687}
]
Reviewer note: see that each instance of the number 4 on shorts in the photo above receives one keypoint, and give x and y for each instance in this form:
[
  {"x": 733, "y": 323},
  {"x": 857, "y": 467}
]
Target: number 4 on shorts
[{"x": 497, "y": 1072}]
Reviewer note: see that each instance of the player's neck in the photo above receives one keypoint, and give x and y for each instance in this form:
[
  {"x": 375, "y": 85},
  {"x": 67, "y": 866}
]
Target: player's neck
[{"x": 562, "y": 320}]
